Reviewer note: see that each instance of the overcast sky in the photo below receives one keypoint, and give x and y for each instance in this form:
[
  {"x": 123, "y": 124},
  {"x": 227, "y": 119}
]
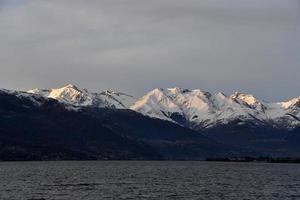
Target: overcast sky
[{"x": 136, "y": 45}]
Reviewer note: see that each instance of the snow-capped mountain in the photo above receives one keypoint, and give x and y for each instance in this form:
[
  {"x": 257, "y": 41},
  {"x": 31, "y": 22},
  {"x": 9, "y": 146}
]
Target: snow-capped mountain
[
  {"x": 72, "y": 95},
  {"x": 36, "y": 99},
  {"x": 196, "y": 108},
  {"x": 202, "y": 109},
  {"x": 239, "y": 120},
  {"x": 157, "y": 104}
]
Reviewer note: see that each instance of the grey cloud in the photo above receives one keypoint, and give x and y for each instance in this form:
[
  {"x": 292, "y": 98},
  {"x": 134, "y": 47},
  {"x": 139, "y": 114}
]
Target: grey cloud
[{"x": 134, "y": 45}]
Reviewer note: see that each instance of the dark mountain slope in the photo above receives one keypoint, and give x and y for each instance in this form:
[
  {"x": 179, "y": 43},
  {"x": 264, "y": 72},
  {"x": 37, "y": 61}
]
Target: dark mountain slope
[
  {"x": 49, "y": 131},
  {"x": 169, "y": 139},
  {"x": 264, "y": 139}
]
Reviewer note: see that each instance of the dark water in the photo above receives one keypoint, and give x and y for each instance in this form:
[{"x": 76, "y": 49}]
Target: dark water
[{"x": 148, "y": 180}]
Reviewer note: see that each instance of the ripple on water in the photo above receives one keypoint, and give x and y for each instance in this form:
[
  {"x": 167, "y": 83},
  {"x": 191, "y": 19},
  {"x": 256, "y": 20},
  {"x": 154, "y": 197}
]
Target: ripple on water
[{"x": 148, "y": 180}]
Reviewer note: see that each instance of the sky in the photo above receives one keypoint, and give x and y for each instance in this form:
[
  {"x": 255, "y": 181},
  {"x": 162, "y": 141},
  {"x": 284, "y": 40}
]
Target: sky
[{"x": 133, "y": 46}]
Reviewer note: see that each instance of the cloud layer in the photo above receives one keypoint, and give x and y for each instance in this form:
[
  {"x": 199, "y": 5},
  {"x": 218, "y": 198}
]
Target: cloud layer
[{"x": 136, "y": 45}]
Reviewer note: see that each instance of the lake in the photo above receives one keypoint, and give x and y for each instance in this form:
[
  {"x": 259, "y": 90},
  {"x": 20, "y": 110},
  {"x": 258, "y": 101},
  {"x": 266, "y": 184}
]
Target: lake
[{"x": 71, "y": 180}]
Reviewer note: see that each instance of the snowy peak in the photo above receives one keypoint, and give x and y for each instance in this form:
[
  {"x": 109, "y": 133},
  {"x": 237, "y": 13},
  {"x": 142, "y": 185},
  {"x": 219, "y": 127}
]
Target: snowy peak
[
  {"x": 177, "y": 90},
  {"x": 116, "y": 99},
  {"x": 202, "y": 109},
  {"x": 69, "y": 94},
  {"x": 192, "y": 105},
  {"x": 174, "y": 90},
  {"x": 156, "y": 103},
  {"x": 201, "y": 93},
  {"x": 220, "y": 95},
  {"x": 290, "y": 103},
  {"x": 75, "y": 96},
  {"x": 36, "y": 99},
  {"x": 195, "y": 108},
  {"x": 70, "y": 86},
  {"x": 249, "y": 99}
]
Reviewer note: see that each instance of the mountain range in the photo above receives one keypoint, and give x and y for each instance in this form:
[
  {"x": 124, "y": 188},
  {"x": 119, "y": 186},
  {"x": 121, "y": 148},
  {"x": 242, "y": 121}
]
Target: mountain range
[
  {"x": 196, "y": 108},
  {"x": 172, "y": 124}
]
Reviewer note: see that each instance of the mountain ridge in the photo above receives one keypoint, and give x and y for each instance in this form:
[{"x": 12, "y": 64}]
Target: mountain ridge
[
  {"x": 196, "y": 107},
  {"x": 173, "y": 123},
  {"x": 33, "y": 127}
]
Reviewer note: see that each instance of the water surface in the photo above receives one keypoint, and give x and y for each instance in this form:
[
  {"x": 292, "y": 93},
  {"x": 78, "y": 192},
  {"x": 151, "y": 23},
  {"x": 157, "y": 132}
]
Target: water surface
[{"x": 148, "y": 180}]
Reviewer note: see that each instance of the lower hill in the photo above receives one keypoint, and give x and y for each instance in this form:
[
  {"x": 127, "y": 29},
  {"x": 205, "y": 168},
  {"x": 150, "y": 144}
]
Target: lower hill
[{"x": 264, "y": 139}]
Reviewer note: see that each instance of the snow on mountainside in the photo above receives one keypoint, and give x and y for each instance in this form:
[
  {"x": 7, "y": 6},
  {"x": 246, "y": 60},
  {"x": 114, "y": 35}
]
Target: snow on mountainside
[
  {"x": 198, "y": 107},
  {"x": 72, "y": 95},
  {"x": 193, "y": 108},
  {"x": 248, "y": 99},
  {"x": 290, "y": 103},
  {"x": 36, "y": 99},
  {"x": 156, "y": 104},
  {"x": 201, "y": 109}
]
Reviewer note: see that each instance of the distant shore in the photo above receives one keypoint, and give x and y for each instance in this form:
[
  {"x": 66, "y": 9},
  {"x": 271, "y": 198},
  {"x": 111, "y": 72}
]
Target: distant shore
[
  {"x": 256, "y": 159},
  {"x": 215, "y": 159}
]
